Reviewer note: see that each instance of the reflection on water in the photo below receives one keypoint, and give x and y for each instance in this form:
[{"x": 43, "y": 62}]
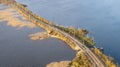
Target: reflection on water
[
  {"x": 101, "y": 17},
  {"x": 18, "y": 50}
]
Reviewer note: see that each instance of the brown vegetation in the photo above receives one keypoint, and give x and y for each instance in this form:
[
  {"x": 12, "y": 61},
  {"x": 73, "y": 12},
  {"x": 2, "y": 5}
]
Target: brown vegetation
[
  {"x": 109, "y": 61},
  {"x": 39, "y": 35},
  {"x": 80, "y": 61},
  {"x": 59, "y": 64},
  {"x": 12, "y": 19},
  {"x": 64, "y": 38},
  {"x": 80, "y": 34}
]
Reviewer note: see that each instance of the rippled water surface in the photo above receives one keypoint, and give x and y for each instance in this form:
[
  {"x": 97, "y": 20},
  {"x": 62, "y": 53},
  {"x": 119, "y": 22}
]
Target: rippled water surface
[{"x": 101, "y": 17}]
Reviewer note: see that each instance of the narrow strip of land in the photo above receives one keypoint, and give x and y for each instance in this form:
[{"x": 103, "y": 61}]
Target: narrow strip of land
[{"x": 50, "y": 27}]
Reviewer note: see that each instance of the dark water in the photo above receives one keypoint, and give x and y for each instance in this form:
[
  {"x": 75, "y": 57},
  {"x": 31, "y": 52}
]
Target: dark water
[
  {"x": 18, "y": 50},
  {"x": 101, "y": 17}
]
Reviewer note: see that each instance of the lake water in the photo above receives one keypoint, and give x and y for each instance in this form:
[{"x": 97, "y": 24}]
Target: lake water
[
  {"x": 101, "y": 17},
  {"x": 18, "y": 50}
]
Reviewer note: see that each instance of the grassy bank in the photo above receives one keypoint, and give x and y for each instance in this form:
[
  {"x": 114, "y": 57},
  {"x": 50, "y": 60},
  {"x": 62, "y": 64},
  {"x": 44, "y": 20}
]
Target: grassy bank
[
  {"x": 81, "y": 34},
  {"x": 109, "y": 61},
  {"x": 65, "y": 39},
  {"x": 80, "y": 61}
]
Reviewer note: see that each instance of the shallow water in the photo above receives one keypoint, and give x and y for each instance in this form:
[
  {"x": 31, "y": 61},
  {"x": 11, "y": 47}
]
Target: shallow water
[
  {"x": 18, "y": 50},
  {"x": 101, "y": 17}
]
